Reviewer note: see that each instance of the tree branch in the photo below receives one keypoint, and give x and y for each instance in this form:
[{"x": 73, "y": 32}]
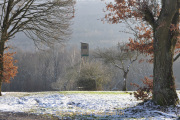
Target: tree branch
[
  {"x": 148, "y": 16},
  {"x": 47, "y": 21},
  {"x": 116, "y": 65},
  {"x": 176, "y": 57}
]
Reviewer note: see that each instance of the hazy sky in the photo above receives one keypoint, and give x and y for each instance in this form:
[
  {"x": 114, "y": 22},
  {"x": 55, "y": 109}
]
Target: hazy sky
[{"x": 87, "y": 27}]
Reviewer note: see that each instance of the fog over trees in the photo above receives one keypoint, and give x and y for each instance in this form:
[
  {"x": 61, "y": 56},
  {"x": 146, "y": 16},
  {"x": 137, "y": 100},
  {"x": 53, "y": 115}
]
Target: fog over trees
[
  {"x": 56, "y": 68},
  {"x": 45, "y": 22}
]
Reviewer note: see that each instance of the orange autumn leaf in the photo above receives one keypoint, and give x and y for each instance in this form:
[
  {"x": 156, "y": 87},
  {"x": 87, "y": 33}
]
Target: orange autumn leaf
[
  {"x": 122, "y": 10},
  {"x": 9, "y": 69}
]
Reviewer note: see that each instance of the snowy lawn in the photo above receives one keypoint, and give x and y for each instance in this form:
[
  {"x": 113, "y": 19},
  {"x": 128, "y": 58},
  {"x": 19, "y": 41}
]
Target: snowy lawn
[{"x": 85, "y": 105}]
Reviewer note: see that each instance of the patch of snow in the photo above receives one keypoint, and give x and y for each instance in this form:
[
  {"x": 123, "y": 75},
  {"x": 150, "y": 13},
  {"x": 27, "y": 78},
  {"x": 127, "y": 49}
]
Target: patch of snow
[{"x": 93, "y": 105}]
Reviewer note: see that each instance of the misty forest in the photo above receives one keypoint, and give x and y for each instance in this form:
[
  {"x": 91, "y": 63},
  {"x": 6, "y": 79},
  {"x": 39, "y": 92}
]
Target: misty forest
[{"x": 84, "y": 59}]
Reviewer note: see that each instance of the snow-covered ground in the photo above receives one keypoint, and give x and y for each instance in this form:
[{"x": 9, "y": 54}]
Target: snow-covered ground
[{"x": 85, "y": 105}]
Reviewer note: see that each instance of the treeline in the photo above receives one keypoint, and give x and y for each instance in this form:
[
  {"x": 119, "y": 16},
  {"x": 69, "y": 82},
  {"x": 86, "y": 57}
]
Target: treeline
[
  {"x": 58, "y": 69},
  {"x": 38, "y": 70}
]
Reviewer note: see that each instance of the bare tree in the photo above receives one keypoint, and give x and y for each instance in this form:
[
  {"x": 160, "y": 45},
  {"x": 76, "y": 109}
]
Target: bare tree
[
  {"x": 122, "y": 58},
  {"x": 43, "y": 21}
]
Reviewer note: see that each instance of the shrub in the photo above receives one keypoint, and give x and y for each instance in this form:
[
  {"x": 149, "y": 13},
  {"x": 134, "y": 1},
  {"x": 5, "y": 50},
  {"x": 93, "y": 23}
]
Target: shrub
[
  {"x": 144, "y": 93},
  {"x": 92, "y": 76}
]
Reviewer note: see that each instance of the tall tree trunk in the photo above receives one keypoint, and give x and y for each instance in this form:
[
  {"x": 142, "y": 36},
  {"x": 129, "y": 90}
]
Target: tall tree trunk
[
  {"x": 164, "y": 92},
  {"x": 1, "y": 62},
  {"x": 125, "y": 81}
]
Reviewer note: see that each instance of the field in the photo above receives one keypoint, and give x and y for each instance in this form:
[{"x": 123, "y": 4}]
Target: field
[{"x": 85, "y": 105}]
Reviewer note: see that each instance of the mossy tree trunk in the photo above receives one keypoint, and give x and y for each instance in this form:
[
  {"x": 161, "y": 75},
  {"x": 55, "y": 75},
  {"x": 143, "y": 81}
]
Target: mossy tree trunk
[
  {"x": 165, "y": 38},
  {"x": 125, "y": 81},
  {"x": 2, "y": 45},
  {"x": 4, "y": 36},
  {"x": 1, "y": 68}
]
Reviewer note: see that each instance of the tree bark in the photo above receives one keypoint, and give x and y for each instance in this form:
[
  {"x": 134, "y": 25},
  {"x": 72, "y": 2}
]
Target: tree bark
[
  {"x": 2, "y": 43},
  {"x": 125, "y": 81},
  {"x": 164, "y": 92}
]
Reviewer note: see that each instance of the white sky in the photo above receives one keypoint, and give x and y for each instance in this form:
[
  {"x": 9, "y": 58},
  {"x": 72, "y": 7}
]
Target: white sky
[{"x": 87, "y": 27}]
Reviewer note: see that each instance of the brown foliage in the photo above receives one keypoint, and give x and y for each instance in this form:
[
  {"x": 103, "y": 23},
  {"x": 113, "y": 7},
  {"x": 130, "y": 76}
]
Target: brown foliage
[
  {"x": 145, "y": 92},
  {"x": 153, "y": 29},
  {"x": 136, "y": 10},
  {"x": 10, "y": 70}
]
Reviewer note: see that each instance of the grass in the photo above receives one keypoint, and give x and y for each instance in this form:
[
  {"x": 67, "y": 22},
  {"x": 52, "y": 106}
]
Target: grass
[
  {"x": 74, "y": 115},
  {"x": 93, "y": 92},
  {"x": 23, "y": 94}
]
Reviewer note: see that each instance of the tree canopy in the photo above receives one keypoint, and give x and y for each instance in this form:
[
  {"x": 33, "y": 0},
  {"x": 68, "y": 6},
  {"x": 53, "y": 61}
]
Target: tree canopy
[
  {"x": 45, "y": 22},
  {"x": 155, "y": 25}
]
